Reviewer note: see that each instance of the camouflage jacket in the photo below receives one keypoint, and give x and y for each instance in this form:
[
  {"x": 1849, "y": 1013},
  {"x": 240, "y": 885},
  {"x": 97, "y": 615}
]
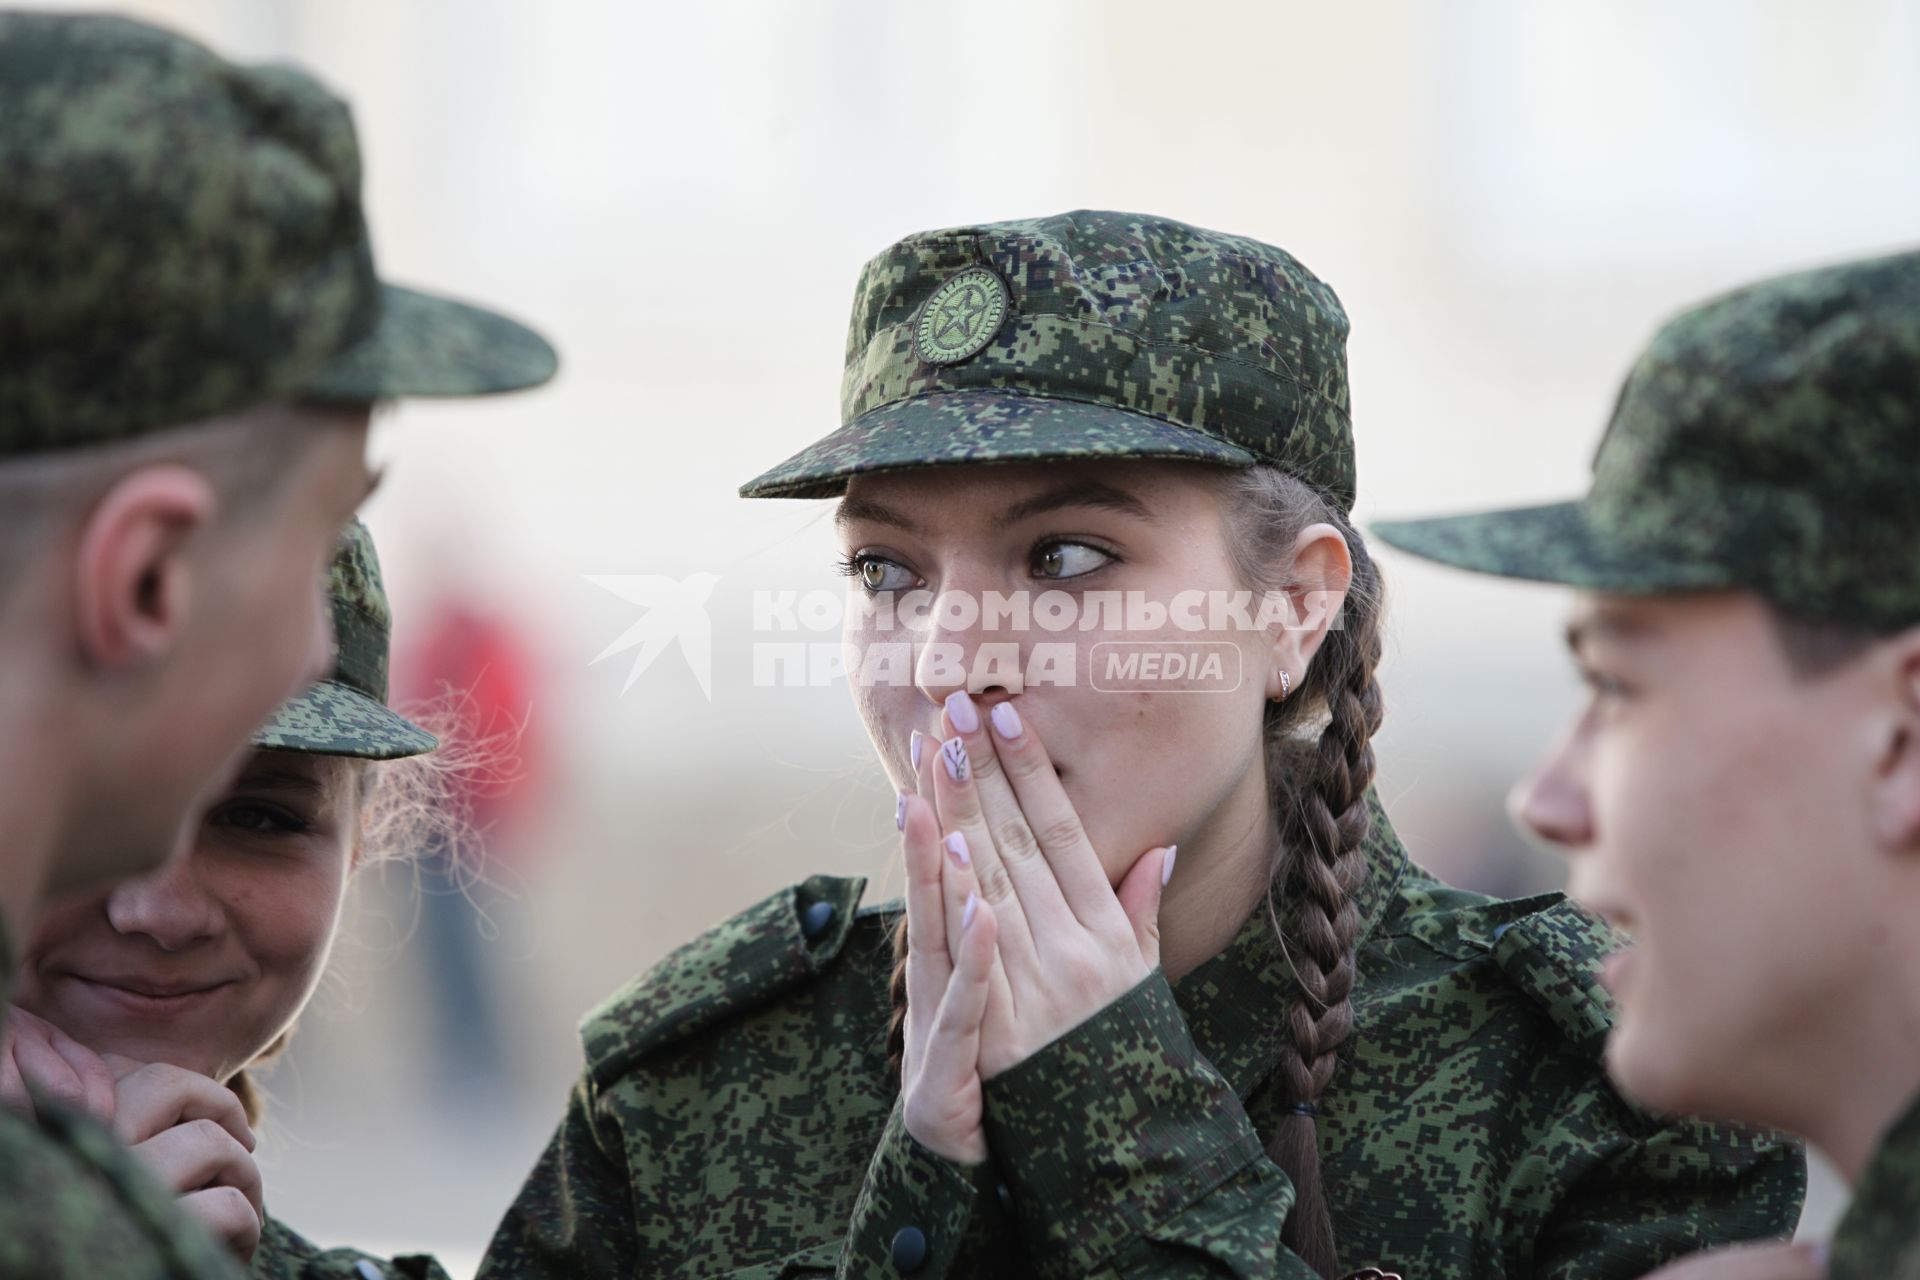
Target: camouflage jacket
[
  {"x": 1879, "y": 1238},
  {"x": 285, "y": 1254},
  {"x": 738, "y": 1117},
  {"x": 75, "y": 1203}
]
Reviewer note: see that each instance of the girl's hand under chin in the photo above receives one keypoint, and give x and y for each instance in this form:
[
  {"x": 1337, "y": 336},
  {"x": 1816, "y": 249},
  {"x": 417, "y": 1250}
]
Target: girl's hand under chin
[
  {"x": 190, "y": 1131},
  {"x": 1036, "y": 940},
  {"x": 192, "y": 1134},
  {"x": 39, "y": 1059}
]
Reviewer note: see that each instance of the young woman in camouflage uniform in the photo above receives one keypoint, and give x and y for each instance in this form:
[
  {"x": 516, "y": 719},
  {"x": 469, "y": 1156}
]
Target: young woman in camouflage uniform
[
  {"x": 1742, "y": 789},
  {"x": 1167, "y": 996},
  {"x": 147, "y": 1003}
]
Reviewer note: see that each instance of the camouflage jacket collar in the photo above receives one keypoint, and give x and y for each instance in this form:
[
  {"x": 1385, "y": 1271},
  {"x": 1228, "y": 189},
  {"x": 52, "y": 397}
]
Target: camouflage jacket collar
[
  {"x": 1234, "y": 1002},
  {"x": 1880, "y": 1234}
]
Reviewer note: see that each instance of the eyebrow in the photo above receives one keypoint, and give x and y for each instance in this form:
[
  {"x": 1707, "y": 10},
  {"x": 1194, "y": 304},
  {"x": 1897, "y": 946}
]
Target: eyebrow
[
  {"x": 280, "y": 780},
  {"x": 1080, "y": 493}
]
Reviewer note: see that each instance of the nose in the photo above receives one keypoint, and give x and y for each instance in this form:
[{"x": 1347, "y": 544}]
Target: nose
[
  {"x": 960, "y": 651},
  {"x": 1553, "y": 802},
  {"x": 170, "y": 907}
]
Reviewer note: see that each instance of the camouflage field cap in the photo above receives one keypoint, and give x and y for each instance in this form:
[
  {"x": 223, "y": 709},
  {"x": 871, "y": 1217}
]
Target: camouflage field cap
[
  {"x": 1767, "y": 440},
  {"x": 347, "y": 714},
  {"x": 182, "y": 237},
  {"x": 1085, "y": 335}
]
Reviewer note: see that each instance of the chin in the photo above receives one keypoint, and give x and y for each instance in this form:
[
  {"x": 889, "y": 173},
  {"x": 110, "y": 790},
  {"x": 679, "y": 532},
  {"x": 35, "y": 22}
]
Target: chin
[{"x": 1651, "y": 1071}]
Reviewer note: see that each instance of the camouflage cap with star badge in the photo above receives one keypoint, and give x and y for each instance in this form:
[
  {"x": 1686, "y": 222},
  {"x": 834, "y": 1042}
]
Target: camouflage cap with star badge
[
  {"x": 1767, "y": 441},
  {"x": 1086, "y": 335},
  {"x": 347, "y": 713},
  {"x": 182, "y": 237}
]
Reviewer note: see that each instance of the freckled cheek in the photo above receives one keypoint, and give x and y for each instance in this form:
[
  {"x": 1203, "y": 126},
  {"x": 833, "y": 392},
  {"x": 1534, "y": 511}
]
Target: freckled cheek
[
  {"x": 1122, "y": 781},
  {"x": 288, "y": 929},
  {"x": 59, "y": 938}
]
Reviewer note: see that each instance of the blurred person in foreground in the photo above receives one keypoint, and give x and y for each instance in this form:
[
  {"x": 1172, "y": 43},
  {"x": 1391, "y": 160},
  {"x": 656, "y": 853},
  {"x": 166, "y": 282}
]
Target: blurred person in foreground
[
  {"x": 1291, "y": 1052},
  {"x": 1741, "y": 792},
  {"x": 150, "y": 1001},
  {"x": 191, "y": 340}
]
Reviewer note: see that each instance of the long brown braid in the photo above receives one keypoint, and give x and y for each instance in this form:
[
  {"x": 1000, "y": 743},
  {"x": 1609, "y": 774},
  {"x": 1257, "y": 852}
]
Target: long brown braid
[
  {"x": 1319, "y": 787},
  {"x": 1321, "y": 820}
]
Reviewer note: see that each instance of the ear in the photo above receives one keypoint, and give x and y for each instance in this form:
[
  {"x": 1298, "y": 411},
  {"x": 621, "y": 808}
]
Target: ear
[
  {"x": 133, "y": 583},
  {"x": 1897, "y": 786},
  {"x": 1316, "y": 588}
]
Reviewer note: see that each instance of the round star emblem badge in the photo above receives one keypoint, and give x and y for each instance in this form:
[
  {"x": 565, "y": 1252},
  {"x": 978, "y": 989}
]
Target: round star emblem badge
[{"x": 961, "y": 317}]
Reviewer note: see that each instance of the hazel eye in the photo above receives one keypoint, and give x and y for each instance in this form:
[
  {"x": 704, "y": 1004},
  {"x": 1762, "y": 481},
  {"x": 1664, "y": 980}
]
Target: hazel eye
[
  {"x": 877, "y": 573},
  {"x": 262, "y": 819},
  {"x": 1068, "y": 560}
]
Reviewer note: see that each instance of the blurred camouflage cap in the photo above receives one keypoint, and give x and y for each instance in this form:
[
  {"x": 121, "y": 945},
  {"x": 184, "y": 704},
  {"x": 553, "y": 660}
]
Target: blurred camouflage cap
[
  {"x": 347, "y": 714},
  {"x": 1086, "y": 335},
  {"x": 182, "y": 237},
  {"x": 1767, "y": 441}
]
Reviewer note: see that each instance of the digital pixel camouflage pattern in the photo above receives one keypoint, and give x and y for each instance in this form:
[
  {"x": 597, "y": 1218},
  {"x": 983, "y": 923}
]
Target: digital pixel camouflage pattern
[
  {"x": 1879, "y": 1238},
  {"x": 1121, "y": 335},
  {"x": 182, "y": 237},
  {"x": 284, "y": 1254},
  {"x": 75, "y": 1205},
  {"x": 738, "y": 1117},
  {"x": 347, "y": 714},
  {"x": 1766, "y": 440}
]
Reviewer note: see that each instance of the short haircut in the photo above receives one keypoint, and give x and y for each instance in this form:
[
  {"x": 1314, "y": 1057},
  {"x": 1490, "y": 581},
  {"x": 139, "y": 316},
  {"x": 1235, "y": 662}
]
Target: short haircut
[
  {"x": 1816, "y": 648},
  {"x": 247, "y": 457}
]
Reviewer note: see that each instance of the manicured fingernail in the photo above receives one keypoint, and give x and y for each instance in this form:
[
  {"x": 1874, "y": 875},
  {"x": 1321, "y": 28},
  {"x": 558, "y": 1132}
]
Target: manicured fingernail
[
  {"x": 966, "y": 915},
  {"x": 957, "y": 850},
  {"x": 900, "y": 812},
  {"x": 1006, "y": 720},
  {"x": 960, "y": 710},
  {"x": 954, "y": 752},
  {"x": 913, "y": 749},
  {"x": 1166, "y": 868}
]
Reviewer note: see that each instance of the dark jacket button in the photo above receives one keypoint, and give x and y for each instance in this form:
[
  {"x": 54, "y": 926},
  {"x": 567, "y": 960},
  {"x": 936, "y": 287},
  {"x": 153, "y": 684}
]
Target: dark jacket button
[
  {"x": 909, "y": 1250},
  {"x": 815, "y": 919}
]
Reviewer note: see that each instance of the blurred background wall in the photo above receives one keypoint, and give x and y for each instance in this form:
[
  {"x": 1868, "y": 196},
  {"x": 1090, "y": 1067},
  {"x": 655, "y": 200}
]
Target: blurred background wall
[{"x": 1508, "y": 194}]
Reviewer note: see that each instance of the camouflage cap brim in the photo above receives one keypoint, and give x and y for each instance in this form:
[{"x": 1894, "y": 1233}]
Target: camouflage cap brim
[
  {"x": 330, "y": 719},
  {"x": 426, "y": 345},
  {"x": 1558, "y": 542},
  {"x": 983, "y": 426}
]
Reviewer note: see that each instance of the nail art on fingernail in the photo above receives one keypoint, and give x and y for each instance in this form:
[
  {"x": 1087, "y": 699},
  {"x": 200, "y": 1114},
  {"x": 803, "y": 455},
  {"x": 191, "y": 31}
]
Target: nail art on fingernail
[
  {"x": 957, "y": 850},
  {"x": 913, "y": 749},
  {"x": 1166, "y": 868},
  {"x": 1006, "y": 720},
  {"x": 954, "y": 752},
  {"x": 900, "y": 812},
  {"x": 966, "y": 916},
  {"x": 960, "y": 710}
]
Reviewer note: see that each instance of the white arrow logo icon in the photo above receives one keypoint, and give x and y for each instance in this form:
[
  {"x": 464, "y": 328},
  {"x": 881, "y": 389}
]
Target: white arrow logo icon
[{"x": 675, "y": 611}]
